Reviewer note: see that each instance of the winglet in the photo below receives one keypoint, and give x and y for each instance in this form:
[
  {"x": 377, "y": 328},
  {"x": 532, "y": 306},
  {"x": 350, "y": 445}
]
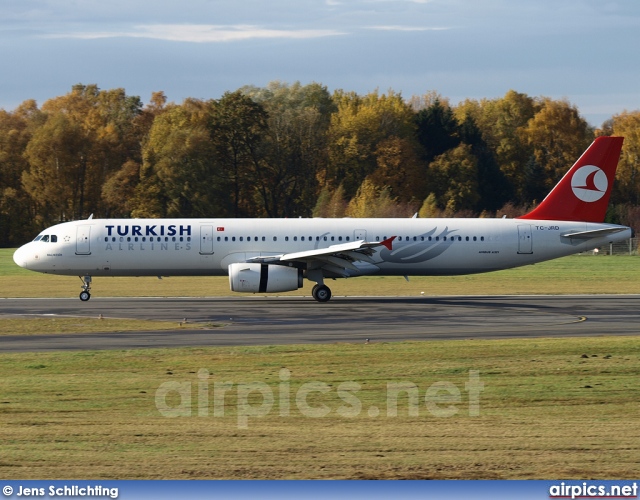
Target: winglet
[{"x": 387, "y": 242}]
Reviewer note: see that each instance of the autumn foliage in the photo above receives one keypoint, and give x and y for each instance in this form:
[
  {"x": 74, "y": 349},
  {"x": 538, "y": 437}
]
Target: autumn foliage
[{"x": 293, "y": 150}]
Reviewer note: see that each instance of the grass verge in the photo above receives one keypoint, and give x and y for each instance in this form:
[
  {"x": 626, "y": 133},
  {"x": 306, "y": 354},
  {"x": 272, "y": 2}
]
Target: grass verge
[
  {"x": 550, "y": 408},
  {"x": 57, "y": 325}
]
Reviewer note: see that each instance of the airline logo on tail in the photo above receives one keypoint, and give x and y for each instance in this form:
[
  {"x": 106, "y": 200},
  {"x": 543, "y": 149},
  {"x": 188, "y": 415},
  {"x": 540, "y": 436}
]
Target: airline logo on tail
[{"x": 589, "y": 183}]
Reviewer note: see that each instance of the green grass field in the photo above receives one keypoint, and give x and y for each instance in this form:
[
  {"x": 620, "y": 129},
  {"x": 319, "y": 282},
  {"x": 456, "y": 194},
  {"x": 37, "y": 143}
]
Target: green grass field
[
  {"x": 549, "y": 408},
  {"x": 565, "y": 408}
]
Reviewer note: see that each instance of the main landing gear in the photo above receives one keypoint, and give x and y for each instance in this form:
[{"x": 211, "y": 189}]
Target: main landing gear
[
  {"x": 322, "y": 293},
  {"x": 85, "y": 294}
]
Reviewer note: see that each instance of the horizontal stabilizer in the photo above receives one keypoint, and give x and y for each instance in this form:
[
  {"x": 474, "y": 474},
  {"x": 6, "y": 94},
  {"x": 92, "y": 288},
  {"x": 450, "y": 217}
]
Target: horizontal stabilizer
[{"x": 596, "y": 233}]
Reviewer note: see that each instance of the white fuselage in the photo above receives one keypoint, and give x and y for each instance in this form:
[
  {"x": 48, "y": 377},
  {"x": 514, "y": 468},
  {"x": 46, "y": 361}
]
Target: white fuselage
[{"x": 206, "y": 247}]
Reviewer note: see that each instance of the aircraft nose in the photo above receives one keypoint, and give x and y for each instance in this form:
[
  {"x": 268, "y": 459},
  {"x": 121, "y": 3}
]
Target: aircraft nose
[{"x": 20, "y": 257}]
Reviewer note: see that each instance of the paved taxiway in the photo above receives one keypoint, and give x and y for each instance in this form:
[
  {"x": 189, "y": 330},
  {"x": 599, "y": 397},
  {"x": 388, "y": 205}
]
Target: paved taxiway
[{"x": 290, "y": 320}]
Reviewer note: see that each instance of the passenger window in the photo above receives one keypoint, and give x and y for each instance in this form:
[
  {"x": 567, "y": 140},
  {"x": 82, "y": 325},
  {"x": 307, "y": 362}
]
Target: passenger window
[
  {"x": 481, "y": 238},
  {"x": 275, "y": 238},
  {"x": 233, "y": 238},
  {"x": 226, "y": 238},
  {"x": 333, "y": 238},
  {"x": 347, "y": 238},
  {"x": 339, "y": 238},
  {"x": 263, "y": 238},
  {"x": 377, "y": 238},
  {"x": 240, "y": 238},
  {"x": 295, "y": 238},
  {"x": 286, "y": 238}
]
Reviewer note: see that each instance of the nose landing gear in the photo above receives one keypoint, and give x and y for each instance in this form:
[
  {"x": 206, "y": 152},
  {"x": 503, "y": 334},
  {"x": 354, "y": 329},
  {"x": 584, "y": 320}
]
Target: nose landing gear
[{"x": 85, "y": 294}]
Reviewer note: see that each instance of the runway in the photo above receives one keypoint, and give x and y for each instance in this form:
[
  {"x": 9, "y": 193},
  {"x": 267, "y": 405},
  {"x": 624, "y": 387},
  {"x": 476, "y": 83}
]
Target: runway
[{"x": 298, "y": 320}]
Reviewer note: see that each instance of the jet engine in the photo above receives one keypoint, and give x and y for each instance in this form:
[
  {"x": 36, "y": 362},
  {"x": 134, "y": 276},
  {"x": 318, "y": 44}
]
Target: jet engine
[{"x": 263, "y": 278}]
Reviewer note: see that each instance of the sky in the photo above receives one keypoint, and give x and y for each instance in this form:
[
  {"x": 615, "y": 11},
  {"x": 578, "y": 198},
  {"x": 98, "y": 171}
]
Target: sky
[{"x": 585, "y": 51}]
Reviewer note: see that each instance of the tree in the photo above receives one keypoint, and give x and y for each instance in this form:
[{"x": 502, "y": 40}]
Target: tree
[
  {"x": 331, "y": 203},
  {"x": 120, "y": 188},
  {"x": 357, "y": 128},
  {"x": 493, "y": 187},
  {"x": 398, "y": 169},
  {"x": 371, "y": 201},
  {"x": 87, "y": 135},
  {"x": 627, "y": 187},
  {"x": 178, "y": 177},
  {"x": 455, "y": 173},
  {"x": 57, "y": 155},
  {"x": 237, "y": 128},
  {"x": 557, "y": 135},
  {"x": 294, "y": 148},
  {"x": 501, "y": 123},
  {"x": 429, "y": 208},
  {"x": 17, "y": 216},
  {"x": 437, "y": 130}
]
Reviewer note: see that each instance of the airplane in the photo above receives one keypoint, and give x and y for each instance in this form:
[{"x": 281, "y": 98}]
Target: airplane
[{"x": 276, "y": 255}]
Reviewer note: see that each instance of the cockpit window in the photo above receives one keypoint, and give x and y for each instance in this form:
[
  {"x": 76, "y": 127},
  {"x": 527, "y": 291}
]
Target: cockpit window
[{"x": 47, "y": 238}]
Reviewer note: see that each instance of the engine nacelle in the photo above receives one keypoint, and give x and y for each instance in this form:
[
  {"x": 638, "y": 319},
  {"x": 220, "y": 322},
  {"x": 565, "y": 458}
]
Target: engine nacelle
[{"x": 263, "y": 278}]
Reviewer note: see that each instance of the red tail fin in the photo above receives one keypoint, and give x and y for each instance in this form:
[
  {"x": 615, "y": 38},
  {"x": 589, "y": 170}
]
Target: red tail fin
[{"x": 583, "y": 193}]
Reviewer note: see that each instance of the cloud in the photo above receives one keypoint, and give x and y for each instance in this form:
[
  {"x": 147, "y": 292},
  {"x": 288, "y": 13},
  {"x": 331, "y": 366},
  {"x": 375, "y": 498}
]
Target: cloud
[
  {"x": 200, "y": 33},
  {"x": 406, "y": 28}
]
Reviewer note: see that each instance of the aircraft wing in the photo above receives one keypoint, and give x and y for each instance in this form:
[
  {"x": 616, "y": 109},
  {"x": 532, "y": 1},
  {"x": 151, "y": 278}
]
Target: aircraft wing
[
  {"x": 596, "y": 233},
  {"x": 336, "y": 258}
]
